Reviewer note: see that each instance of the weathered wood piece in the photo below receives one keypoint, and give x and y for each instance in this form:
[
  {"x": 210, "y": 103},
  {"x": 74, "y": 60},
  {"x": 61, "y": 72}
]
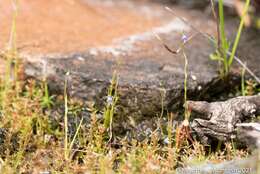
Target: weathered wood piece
[{"x": 218, "y": 120}]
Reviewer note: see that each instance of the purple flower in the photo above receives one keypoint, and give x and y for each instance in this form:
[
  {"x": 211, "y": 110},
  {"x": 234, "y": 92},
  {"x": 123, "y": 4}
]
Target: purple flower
[{"x": 184, "y": 38}]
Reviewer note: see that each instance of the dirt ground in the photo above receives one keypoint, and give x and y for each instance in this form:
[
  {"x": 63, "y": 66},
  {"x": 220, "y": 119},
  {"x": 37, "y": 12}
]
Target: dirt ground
[{"x": 66, "y": 26}]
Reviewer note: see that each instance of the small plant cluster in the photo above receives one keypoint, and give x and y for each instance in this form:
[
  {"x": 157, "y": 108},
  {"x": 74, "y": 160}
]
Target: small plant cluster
[
  {"x": 223, "y": 54},
  {"x": 32, "y": 142}
]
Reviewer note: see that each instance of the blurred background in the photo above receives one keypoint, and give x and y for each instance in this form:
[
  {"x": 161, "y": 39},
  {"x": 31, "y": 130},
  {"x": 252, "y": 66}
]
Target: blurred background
[{"x": 76, "y": 25}]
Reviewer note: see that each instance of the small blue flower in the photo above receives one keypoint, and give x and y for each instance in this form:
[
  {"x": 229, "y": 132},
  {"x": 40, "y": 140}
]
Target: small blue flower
[
  {"x": 109, "y": 100},
  {"x": 184, "y": 38},
  {"x": 166, "y": 140}
]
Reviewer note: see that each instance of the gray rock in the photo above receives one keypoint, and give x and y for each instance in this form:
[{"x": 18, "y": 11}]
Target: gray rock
[
  {"x": 193, "y": 3},
  {"x": 149, "y": 76},
  {"x": 146, "y": 77},
  {"x": 250, "y": 134}
]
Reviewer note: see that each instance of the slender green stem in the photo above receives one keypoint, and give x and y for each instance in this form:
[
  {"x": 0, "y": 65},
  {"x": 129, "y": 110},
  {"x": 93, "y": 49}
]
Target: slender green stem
[
  {"x": 76, "y": 134},
  {"x": 110, "y": 106},
  {"x": 185, "y": 85},
  {"x": 224, "y": 43},
  {"x": 240, "y": 28},
  {"x": 46, "y": 91},
  {"x": 162, "y": 102},
  {"x": 66, "y": 119}
]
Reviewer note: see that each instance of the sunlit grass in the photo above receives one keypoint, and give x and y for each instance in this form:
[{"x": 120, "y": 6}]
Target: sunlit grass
[{"x": 31, "y": 131}]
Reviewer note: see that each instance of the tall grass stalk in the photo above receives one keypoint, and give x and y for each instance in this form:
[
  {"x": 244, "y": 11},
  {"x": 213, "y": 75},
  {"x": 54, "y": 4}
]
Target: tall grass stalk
[
  {"x": 66, "y": 151},
  {"x": 240, "y": 28},
  {"x": 10, "y": 55},
  {"x": 112, "y": 99},
  {"x": 224, "y": 43},
  {"x": 224, "y": 48},
  {"x": 12, "y": 47},
  {"x": 68, "y": 145},
  {"x": 75, "y": 136},
  {"x": 185, "y": 85},
  {"x": 12, "y": 39}
]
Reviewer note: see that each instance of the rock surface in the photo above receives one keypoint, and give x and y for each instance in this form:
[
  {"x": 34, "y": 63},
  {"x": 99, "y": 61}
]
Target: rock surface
[
  {"x": 250, "y": 134},
  {"x": 149, "y": 76}
]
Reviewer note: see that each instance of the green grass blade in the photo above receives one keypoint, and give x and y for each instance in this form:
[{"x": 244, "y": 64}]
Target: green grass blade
[
  {"x": 76, "y": 134},
  {"x": 224, "y": 43},
  {"x": 240, "y": 28}
]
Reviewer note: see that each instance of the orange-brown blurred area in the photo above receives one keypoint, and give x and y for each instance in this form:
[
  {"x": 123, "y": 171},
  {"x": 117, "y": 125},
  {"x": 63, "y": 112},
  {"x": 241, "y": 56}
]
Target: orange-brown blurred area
[{"x": 53, "y": 26}]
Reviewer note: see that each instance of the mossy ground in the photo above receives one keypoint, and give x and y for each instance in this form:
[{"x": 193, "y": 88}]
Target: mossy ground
[{"x": 33, "y": 141}]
